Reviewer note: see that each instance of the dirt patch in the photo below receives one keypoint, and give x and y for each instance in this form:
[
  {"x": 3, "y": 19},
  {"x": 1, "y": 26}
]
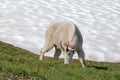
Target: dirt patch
[
  {"x": 1, "y": 79},
  {"x": 17, "y": 77}
]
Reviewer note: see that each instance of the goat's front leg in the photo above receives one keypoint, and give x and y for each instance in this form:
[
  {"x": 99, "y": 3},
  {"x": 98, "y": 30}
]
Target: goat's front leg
[
  {"x": 81, "y": 57},
  {"x": 57, "y": 53}
]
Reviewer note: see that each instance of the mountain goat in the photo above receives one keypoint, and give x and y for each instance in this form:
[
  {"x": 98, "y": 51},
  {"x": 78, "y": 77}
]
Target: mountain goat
[{"x": 66, "y": 37}]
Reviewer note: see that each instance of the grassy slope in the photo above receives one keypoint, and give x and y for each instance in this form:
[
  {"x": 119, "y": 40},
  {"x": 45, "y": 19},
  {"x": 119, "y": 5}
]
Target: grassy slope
[{"x": 16, "y": 63}]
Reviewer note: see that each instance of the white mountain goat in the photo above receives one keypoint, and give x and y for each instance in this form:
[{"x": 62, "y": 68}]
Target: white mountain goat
[{"x": 66, "y": 37}]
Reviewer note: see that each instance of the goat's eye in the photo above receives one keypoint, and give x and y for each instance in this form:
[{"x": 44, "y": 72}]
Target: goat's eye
[{"x": 67, "y": 50}]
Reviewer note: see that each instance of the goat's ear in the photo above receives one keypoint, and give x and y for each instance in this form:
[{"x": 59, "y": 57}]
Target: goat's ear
[{"x": 70, "y": 47}]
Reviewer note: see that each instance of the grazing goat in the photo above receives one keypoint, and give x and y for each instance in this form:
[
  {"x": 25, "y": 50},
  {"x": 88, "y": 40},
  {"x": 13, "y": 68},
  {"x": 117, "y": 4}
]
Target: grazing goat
[{"x": 66, "y": 37}]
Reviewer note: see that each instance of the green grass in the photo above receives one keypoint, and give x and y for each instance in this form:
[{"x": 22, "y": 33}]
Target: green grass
[{"x": 16, "y": 63}]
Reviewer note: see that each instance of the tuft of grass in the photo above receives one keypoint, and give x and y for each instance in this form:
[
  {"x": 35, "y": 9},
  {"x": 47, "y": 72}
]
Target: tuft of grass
[{"x": 20, "y": 64}]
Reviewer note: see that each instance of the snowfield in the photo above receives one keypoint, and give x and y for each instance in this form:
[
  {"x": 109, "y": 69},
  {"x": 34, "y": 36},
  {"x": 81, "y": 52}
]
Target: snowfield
[{"x": 23, "y": 24}]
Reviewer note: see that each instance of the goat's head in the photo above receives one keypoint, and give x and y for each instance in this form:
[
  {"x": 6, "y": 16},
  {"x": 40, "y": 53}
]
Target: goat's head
[{"x": 68, "y": 52}]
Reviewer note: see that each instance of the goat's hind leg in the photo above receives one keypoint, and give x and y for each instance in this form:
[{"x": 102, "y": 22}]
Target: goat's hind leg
[{"x": 45, "y": 49}]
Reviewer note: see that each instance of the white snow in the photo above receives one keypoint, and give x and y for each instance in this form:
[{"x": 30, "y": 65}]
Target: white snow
[{"x": 23, "y": 24}]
